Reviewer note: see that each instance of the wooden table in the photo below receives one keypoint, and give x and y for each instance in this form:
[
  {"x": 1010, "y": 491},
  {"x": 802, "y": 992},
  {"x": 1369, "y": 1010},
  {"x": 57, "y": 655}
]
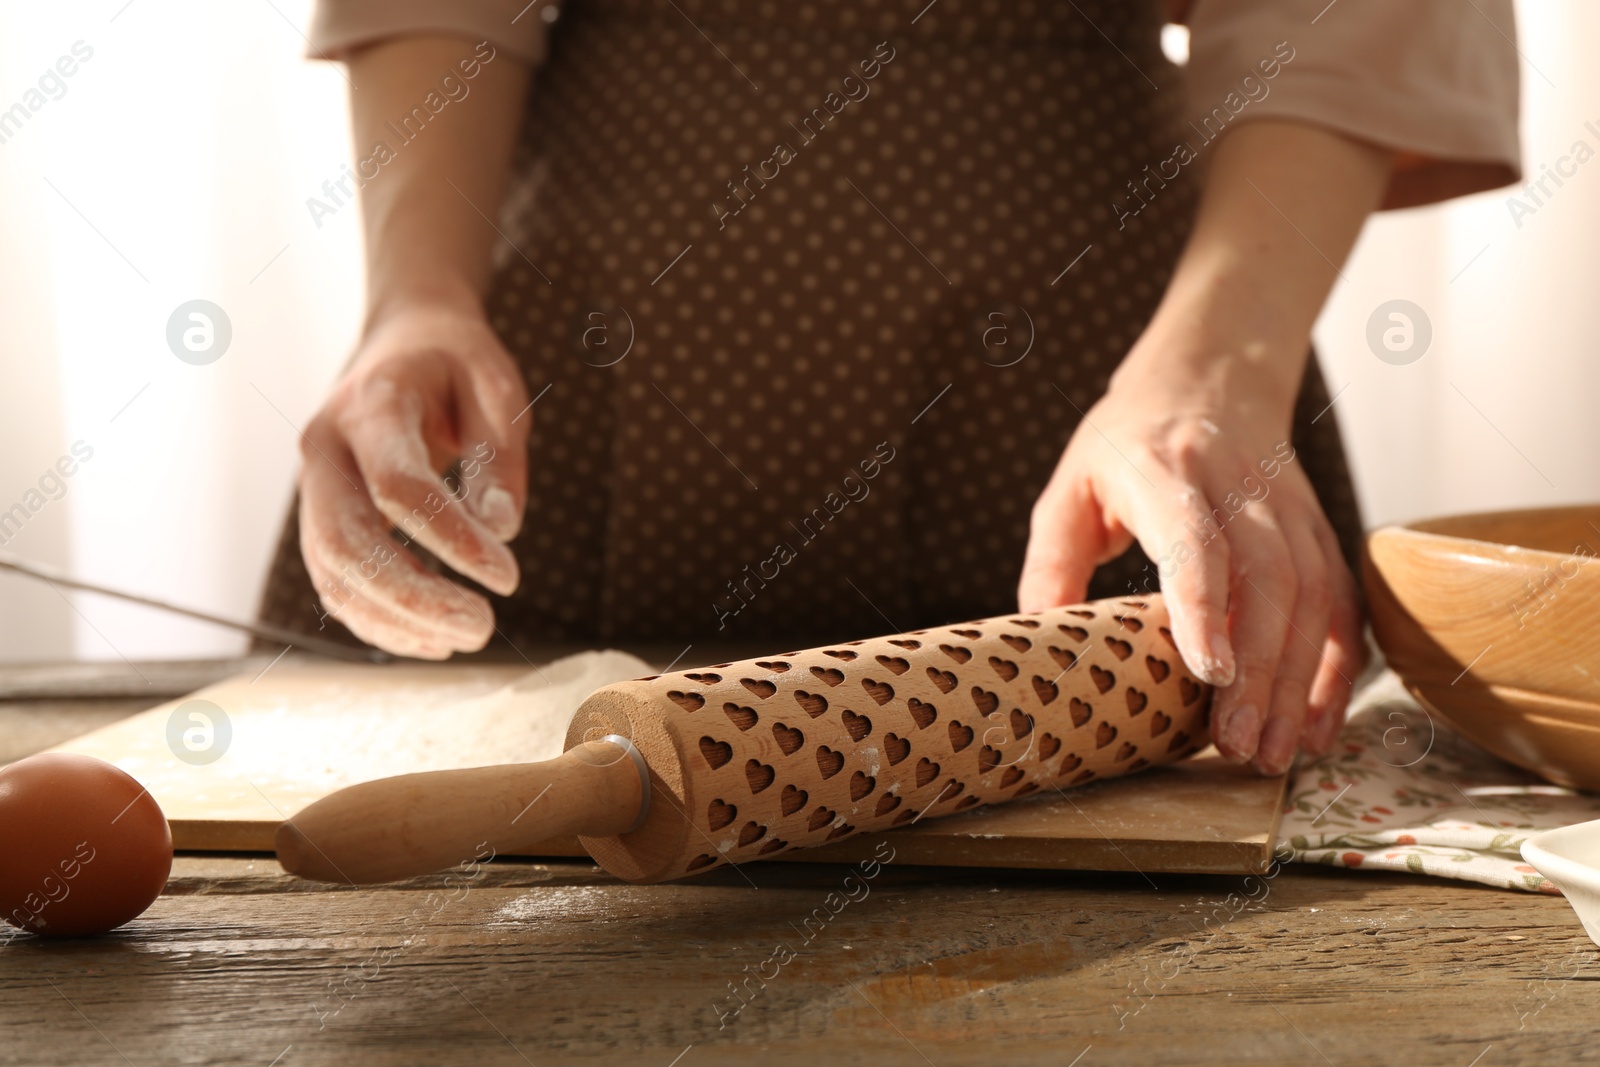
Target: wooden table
[{"x": 544, "y": 963}]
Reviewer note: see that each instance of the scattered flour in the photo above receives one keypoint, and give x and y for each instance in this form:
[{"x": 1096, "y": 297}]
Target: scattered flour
[
  {"x": 557, "y": 902},
  {"x": 523, "y": 722}
]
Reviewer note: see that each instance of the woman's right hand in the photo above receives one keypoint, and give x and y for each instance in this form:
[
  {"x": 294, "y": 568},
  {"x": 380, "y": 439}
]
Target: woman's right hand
[{"x": 431, "y": 385}]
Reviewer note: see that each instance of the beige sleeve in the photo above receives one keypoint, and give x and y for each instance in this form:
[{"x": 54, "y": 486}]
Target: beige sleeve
[
  {"x": 518, "y": 27},
  {"x": 1434, "y": 80}
]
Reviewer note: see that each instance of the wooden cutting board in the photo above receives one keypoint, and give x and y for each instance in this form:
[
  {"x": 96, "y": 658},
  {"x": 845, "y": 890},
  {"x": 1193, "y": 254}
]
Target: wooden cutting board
[{"x": 230, "y": 761}]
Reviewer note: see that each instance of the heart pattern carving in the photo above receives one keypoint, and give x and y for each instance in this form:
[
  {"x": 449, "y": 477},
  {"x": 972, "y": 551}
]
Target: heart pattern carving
[{"x": 830, "y": 742}]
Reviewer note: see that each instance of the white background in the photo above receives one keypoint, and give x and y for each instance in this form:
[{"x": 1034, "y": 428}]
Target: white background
[{"x": 181, "y": 157}]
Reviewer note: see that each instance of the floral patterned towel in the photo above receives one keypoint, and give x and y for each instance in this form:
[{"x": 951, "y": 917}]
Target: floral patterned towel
[{"x": 1402, "y": 791}]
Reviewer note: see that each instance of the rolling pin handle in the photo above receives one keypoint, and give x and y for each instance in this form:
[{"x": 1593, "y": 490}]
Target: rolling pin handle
[{"x": 413, "y": 824}]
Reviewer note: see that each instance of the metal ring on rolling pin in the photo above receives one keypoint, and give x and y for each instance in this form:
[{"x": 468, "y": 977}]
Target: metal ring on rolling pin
[{"x": 644, "y": 776}]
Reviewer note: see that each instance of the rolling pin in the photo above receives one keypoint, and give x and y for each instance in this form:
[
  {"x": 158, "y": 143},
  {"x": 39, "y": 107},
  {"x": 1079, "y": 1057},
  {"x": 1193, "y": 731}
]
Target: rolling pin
[{"x": 681, "y": 773}]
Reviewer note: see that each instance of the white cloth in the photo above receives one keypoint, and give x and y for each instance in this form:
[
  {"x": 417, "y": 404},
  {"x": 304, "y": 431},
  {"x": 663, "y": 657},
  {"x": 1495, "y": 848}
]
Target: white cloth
[{"x": 1402, "y": 791}]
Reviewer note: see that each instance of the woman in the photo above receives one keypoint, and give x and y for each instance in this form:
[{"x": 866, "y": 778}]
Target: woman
[{"x": 785, "y": 322}]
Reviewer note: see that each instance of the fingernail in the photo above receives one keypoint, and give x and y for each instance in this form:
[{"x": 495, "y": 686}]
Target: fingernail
[
  {"x": 1325, "y": 733},
  {"x": 1220, "y": 666},
  {"x": 1241, "y": 732},
  {"x": 466, "y": 619},
  {"x": 498, "y": 511},
  {"x": 1209, "y": 671},
  {"x": 1276, "y": 751},
  {"x": 504, "y": 572}
]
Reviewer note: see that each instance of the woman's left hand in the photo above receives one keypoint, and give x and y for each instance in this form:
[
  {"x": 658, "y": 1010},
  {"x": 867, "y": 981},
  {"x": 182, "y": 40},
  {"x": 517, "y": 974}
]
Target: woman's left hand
[
  {"x": 1202, "y": 474},
  {"x": 1188, "y": 452}
]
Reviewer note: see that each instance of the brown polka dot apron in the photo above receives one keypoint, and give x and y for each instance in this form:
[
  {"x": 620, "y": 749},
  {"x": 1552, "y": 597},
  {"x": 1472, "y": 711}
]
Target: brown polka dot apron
[{"x": 811, "y": 296}]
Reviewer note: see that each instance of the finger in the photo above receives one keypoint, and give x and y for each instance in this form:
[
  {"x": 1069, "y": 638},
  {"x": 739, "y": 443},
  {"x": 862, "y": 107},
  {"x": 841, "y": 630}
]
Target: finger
[
  {"x": 368, "y": 610},
  {"x": 385, "y": 437},
  {"x": 382, "y": 629},
  {"x": 495, "y": 416},
  {"x": 1342, "y": 652},
  {"x": 352, "y": 558},
  {"x": 363, "y": 618},
  {"x": 1302, "y": 653},
  {"x": 1262, "y": 575},
  {"x": 1067, "y": 539},
  {"x": 1178, "y": 530}
]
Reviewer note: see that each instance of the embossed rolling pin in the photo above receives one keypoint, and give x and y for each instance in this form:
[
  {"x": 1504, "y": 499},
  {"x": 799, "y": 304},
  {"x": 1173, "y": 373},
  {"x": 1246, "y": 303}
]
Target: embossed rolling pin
[{"x": 680, "y": 773}]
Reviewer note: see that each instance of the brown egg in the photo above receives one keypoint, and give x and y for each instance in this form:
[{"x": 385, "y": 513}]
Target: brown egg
[{"x": 83, "y": 847}]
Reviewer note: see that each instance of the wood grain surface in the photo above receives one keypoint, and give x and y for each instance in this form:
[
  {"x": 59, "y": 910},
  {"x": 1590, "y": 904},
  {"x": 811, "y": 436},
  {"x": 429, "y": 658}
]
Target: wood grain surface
[
  {"x": 1489, "y": 619},
  {"x": 554, "y": 962},
  {"x": 550, "y": 963}
]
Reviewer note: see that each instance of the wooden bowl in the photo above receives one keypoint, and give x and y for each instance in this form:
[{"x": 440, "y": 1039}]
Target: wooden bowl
[{"x": 1493, "y": 622}]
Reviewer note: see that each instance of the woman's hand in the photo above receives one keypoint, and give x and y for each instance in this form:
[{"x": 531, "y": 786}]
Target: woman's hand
[
  {"x": 430, "y": 386},
  {"x": 1189, "y": 454},
  {"x": 1202, "y": 474}
]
